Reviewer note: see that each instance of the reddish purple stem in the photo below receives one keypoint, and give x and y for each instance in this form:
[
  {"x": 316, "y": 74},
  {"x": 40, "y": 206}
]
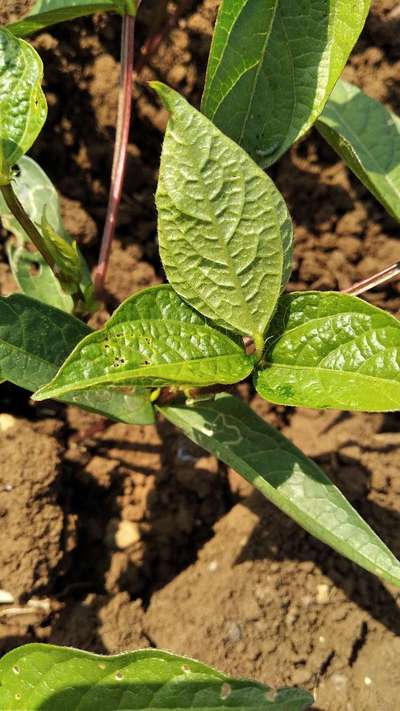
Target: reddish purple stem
[
  {"x": 377, "y": 279},
  {"x": 120, "y": 149}
]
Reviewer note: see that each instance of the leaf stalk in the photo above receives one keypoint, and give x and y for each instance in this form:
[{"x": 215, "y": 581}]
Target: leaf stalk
[
  {"x": 26, "y": 223},
  {"x": 259, "y": 346}
]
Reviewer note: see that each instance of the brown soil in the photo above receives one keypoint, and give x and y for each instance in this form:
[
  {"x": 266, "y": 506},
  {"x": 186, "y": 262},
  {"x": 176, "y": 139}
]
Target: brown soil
[
  {"x": 118, "y": 537},
  {"x": 12, "y": 10}
]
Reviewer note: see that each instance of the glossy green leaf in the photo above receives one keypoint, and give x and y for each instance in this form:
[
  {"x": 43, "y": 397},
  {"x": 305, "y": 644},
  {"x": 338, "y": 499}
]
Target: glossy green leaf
[
  {"x": 272, "y": 66},
  {"x": 35, "y": 339},
  {"x": 154, "y": 338},
  {"x": 23, "y": 107},
  {"x": 331, "y": 350},
  {"x": 223, "y": 226},
  {"x": 367, "y": 136},
  {"x": 48, "y": 12},
  {"x": 40, "y": 200},
  {"x": 50, "y": 678},
  {"x": 262, "y": 455}
]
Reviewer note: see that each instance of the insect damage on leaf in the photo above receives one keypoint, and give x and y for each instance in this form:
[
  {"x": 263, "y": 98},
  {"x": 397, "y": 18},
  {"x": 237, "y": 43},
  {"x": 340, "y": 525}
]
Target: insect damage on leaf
[{"x": 154, "y": 338}]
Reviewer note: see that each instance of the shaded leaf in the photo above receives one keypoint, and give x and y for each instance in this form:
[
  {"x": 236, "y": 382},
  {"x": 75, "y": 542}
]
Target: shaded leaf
[
  {"x": 228, "y": 428},
  {"x": 48, "y": 12},
  {"x": 50, "y": 678},
  {"x": 223, "y": 226},
  {"x": 35, "y": 339},
  {"x": 153, "y": 338},
  {"x": 37, "y": 194},
  {"x": 23, "y": 107},
  {"x": 33, "y": 275},
  {"x": 367, "y": 136},
  {"x": 35, "y": 278},
  {"x": 66, "y": 257},
  {"x": 273, "y": 65},
  {"x": 129, "y": 403},
  {"x": 332, "y": 350}
]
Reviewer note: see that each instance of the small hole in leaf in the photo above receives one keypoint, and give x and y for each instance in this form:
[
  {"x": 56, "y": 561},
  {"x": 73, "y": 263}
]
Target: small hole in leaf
[
  {"x": 225, "y": 691},
  {"x": 16, "y": 669},
  {"x": 34, "y": 269},
  {"x": 17, "y": 697},
  {"x": 271, "y": 695},
  {"x": 119, "y": 676}
]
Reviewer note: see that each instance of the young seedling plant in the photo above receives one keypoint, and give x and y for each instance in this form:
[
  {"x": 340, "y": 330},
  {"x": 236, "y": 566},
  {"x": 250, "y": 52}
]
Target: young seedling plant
[{"x": 176, "y": 350}]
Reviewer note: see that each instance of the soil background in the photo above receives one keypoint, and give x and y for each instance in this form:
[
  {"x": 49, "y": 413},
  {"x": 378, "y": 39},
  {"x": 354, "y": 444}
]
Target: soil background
[{"x": 117, "y": 537}]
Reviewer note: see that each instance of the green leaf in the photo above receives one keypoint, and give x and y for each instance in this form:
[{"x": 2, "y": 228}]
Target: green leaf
[
  {"x": 35, "y": 278},
  {"x": 273, "y": 65},
  {"x": 33, "y": 275},
  {"x": 35, "y": 339},
  {"x": 152, "y": 339},
  {"x": 223, "y": 226},
  {"x": 50, "y": 678},
  {"x": 234, "y": 433},
  {"x": 48, "y": 12},
  {"x": 129, "y": 403},
  {"x": 367, "y": 136},
  {"x": 37, "y": 194},
  {"x": 23, "y": 107},
  {"x": 66, "y": 257},
  {"x": 331, "y": 350}
]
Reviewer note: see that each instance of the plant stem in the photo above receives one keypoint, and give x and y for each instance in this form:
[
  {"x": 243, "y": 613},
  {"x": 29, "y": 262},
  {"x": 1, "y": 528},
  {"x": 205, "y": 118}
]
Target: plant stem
[
  {"x": 259, "y": 345},
  {"x": 120, "y": 148},
  {"x": 26, "y": 223},
  {"x": 377, "y": 279}
]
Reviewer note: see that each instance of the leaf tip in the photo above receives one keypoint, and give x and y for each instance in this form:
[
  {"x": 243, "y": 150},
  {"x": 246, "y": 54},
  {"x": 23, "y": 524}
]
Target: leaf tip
[
  {"x": 167, "y": 95},
  {"x": 44, "y": 393}
]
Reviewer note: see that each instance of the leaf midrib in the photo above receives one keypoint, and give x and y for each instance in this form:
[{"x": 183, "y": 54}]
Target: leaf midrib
[
  {"x": 287, "y": 504},
  {"x": 393, "y": 322},
  {"x": 139, "y": 372},
  {"x": 221, "y": 57},
  {"x": 20, "y": 349},
  {"x": 219, "y": 230},
  {"x": 318, "y": 369},
  {"x": 198, "y": 326},
  {"x": 257, "y": 72}
]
